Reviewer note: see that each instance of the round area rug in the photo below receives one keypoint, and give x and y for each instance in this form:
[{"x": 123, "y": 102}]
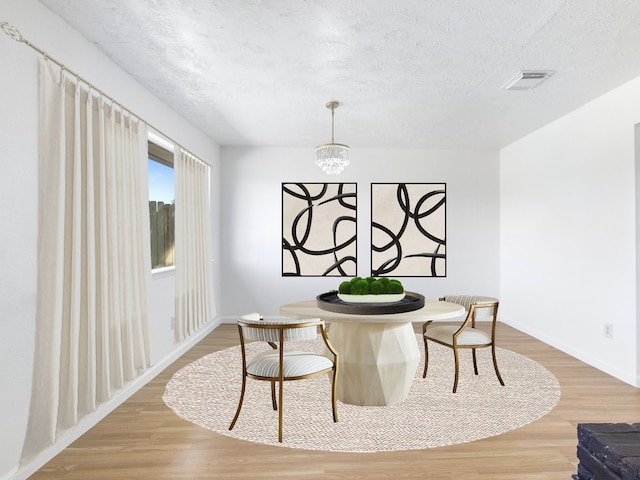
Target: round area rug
[{"x": 206, "y": 393}]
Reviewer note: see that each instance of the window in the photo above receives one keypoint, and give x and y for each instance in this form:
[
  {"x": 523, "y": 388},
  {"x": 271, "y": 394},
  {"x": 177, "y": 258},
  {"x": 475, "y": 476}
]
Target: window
[{"x": 161, "y": 202}]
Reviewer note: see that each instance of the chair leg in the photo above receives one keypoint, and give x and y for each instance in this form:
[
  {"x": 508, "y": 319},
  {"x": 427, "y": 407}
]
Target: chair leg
[
  {"x": 280, "y": 411},
  {"x": 457, "y": 369},
  {"x": 235, "y": 418},
  {"x": 475, "y": 363},
  {"x": 334, "y": 396},
  {"x": 273, "y": 395},
  {"x": 495, "y": 364},
  {"x": 426, "y": 358}
]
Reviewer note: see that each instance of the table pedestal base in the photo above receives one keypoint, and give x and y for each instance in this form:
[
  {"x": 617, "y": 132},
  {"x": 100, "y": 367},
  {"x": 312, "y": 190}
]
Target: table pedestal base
[{"x": 377, "y": 361}]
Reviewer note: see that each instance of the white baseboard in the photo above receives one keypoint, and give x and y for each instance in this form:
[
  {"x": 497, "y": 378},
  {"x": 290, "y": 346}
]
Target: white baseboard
[
  {"x": 25, "y": 471},
  {"x": 624, "y": 376}
]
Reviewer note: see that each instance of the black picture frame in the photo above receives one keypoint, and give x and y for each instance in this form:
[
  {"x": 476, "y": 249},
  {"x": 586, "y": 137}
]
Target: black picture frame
[
  {"x": 408, "y": 230},
  {"x": 319, "y": 229}
]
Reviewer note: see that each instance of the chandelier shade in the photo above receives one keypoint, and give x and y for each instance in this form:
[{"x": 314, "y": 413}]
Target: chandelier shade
[{"x": 332, "y": 157}]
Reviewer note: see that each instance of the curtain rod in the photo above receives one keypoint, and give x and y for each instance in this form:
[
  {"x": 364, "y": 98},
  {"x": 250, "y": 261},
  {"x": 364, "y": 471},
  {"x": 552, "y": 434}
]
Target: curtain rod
[{"x": 15, "y": 34}]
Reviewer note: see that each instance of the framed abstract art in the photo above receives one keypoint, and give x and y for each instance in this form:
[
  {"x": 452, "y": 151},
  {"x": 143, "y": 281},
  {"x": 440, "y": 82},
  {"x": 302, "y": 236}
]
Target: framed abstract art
[
  {"x": 319, "y": 229},
  {"x": 408, "y": 229}
]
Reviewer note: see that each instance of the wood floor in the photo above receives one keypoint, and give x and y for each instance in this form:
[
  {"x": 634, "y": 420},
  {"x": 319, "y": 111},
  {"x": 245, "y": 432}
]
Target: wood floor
[{"x": 143, "y": 439}]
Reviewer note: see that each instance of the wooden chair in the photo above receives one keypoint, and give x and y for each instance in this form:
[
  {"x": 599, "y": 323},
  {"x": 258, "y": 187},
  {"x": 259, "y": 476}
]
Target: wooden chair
[
  {"x": 281, "y": 364},
  {"x": 466, "y": 335}
]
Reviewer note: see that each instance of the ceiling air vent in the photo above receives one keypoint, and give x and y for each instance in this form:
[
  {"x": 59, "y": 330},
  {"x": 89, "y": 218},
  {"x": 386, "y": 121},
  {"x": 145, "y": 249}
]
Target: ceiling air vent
[{"x": 527, "y": 79}]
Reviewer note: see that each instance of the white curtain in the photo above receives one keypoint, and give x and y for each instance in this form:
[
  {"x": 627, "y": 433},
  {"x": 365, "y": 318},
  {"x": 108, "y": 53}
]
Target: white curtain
[
  {"x": 93, "y": 256},
  {"x": 194, "y": 296}
]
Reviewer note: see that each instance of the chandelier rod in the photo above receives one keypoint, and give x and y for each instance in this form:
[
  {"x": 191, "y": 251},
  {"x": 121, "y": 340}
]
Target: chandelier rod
[
  {"x": 332, "y": 120},
  {"x": 332, "y": 105}
]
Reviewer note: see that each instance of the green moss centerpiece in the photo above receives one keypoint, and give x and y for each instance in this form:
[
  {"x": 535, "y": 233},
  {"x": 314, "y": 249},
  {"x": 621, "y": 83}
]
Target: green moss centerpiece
[{"x": 371, "y": 290}]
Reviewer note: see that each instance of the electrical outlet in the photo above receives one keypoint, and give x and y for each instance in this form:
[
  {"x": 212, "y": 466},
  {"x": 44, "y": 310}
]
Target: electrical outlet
[
  {"x": 608, "y": 330},
  {"x": 173, "y": 323}
]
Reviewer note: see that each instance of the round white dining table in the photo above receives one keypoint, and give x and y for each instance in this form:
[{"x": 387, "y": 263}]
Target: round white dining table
[{"x": 377, "y": 354}]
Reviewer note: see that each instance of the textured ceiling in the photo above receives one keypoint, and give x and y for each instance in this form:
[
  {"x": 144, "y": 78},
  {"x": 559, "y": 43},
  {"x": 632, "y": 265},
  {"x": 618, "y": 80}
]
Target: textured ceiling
[{"x": 408, "y": 73}]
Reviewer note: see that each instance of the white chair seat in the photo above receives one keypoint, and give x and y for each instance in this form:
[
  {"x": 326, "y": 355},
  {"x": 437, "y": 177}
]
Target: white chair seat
[
  {"x": 295, "y": 364},
  {"x": 469, "y": 336}
]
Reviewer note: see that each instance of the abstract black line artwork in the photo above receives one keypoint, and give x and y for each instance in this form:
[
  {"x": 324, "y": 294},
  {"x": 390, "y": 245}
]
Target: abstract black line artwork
[
  {"x": 408, "y": 229},
  {"x": 319, "y": 229}
]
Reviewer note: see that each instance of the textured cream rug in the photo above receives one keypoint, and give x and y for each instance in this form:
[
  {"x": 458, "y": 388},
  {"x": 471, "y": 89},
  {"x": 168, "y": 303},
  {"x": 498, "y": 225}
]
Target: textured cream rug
[{"x": 206, "y": 393}]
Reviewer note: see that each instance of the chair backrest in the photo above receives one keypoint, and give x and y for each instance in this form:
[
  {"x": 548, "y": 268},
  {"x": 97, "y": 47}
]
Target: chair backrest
[
  {"x": 271, "y": 330},
  {"x": 252, "y": 316},
  {"x": 467, "y": 300}
]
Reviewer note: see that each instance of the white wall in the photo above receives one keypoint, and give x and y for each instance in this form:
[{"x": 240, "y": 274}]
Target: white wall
[
  {"x": 19, "y": 198},
  {"x": 18, "y": 150},
  {"x": 251, "y": 220},
  {"x": 568, "y": 233}
]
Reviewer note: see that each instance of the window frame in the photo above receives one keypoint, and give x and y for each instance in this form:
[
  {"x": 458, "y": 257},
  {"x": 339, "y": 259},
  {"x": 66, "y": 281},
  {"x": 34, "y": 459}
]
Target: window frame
[{"x": 161, "y": 150}]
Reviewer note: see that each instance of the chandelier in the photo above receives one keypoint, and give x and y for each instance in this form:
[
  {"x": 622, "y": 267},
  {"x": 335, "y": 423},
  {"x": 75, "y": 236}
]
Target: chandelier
[{"x": 332, "y": 157}]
